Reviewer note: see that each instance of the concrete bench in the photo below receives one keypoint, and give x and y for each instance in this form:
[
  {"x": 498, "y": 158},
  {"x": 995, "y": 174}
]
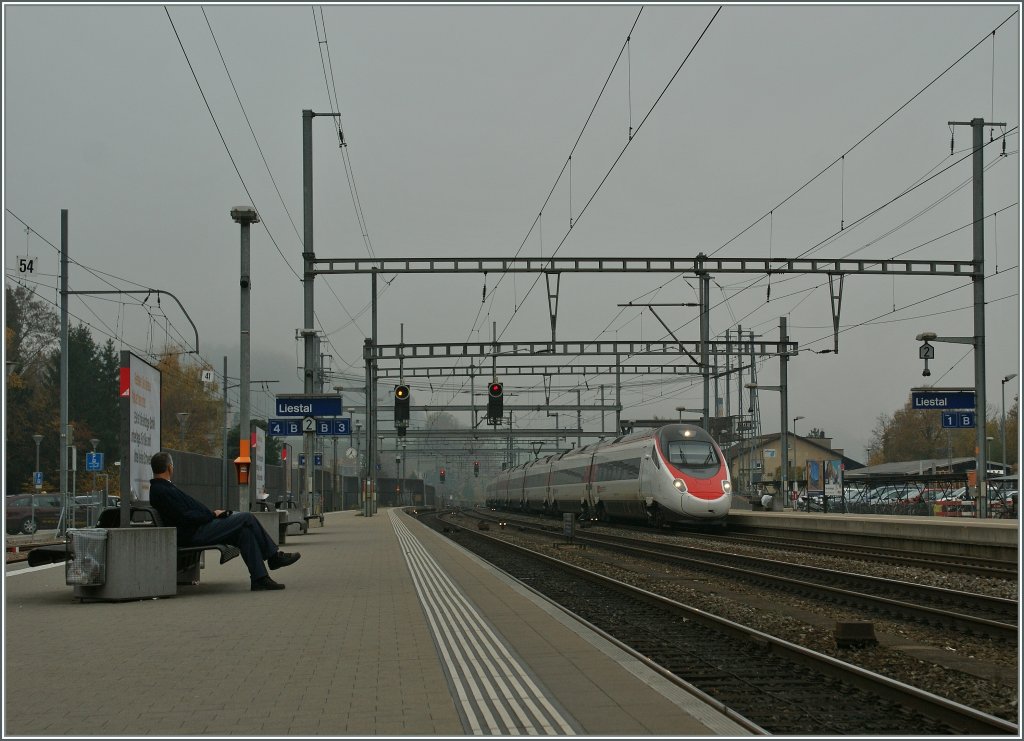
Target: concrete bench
[
  {"x": 189, "y": 558},
  {"x": 294, "y": 517}
]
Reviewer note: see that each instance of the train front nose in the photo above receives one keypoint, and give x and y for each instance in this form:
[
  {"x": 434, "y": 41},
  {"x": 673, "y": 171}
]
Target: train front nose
[{"x": 706, "y": 500}]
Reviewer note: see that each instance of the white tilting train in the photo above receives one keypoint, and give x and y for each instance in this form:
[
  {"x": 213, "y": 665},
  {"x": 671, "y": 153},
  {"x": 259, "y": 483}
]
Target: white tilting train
[{"x": 675, "y": 473}]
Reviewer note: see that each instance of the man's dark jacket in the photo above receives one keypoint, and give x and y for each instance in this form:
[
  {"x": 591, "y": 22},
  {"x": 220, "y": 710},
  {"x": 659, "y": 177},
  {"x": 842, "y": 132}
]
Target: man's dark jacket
[{"x": 178, "y": 509}]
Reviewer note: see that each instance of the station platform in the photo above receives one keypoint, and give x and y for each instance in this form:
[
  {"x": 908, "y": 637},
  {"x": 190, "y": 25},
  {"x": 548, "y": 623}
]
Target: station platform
[
  {"x": 984, "y": 538},
  {"x": 385, "y": 628}
]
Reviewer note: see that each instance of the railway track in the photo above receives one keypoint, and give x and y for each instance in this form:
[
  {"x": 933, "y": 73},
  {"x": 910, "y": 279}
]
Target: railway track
[
  {"x": 777, "y": 686},
  {"x": 959, "y": 564},
  {"x": 948, "y": 563},
  {"x": 973, "y": 614}
]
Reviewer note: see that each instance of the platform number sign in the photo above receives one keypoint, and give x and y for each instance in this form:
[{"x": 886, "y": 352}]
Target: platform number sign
[{"x": 27, "y": 264}]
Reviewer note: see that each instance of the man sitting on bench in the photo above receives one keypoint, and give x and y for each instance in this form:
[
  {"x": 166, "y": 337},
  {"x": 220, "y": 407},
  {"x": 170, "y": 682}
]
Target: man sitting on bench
[{"x": 197, "y": 525}]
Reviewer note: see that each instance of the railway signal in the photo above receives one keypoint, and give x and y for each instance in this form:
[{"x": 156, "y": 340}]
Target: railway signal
[
  {"x": 401, "y": 407},
  {"x": 442, "y": 475},
  {"x": 495, "y": 405},
  {"x": 476, "y": 468}
]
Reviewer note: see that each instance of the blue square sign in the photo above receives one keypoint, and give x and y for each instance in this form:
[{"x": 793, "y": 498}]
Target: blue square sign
[{"x": 958, "y": 420}]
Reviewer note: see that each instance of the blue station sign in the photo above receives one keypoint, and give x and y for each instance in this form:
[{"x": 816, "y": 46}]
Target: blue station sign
[
  {"x": 942, "y": 401},
  {"x": 327, "y": 405}
]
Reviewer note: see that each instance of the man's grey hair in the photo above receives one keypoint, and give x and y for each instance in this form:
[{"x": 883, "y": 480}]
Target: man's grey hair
[{"x": 161, "y": 462}]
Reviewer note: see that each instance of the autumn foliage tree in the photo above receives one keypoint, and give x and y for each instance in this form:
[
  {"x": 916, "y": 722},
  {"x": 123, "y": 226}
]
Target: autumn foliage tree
[
  {"x": 32, "y": 346},
  {"x": 914, "y": 434},
  {"x": 182, "y": 390}
]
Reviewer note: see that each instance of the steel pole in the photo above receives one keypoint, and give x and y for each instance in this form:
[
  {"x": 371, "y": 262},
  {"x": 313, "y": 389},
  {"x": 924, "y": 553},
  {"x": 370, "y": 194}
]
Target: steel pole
[
  {"x": 705, "y": 332},
  {"x": 372, "y": 400},
  {"x": 977, "y": 128},
  {"x": 224, "y": 452},
  {"x": 784, "y": 393},
  {"x": 64, "y": 441},
  {"x": 307, "y": 290},
  {"x": 739, "y": 414},
  {"x": 244, "y": 491}
]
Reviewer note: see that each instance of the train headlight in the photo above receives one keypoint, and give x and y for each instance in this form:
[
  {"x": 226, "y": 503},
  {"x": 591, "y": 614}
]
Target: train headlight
[
  {"x": 726, "y": 486},
  {"x": 679, "y": 484}
]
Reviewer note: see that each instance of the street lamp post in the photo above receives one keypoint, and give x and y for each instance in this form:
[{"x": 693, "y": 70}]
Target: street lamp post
[
  {"x": 680, "y": 410},
  {"x": 182, "y": 418},
  {"x": 99, "y": 506},
  {"x": 38, "y": 475},
  {"x": 246, "y": 216},
  {"x": 795, "y": 438},
  {"x": 1002, "y": 420}
]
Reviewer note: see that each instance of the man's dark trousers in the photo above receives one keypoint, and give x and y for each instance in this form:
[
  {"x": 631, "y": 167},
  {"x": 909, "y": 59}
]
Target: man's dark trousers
[{"x": 243, "y": 530}]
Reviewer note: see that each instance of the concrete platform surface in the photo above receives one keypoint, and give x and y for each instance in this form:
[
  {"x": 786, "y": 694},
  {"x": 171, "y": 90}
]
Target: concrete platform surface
[{"x": 385, "y": 628}]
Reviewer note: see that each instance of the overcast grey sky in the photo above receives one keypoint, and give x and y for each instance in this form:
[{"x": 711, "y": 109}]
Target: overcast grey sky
[{"x": 458, "y": 122}]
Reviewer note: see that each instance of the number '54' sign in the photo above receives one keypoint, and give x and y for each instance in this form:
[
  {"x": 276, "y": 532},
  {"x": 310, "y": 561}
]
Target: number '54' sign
[{"x": 27, "y": 264}]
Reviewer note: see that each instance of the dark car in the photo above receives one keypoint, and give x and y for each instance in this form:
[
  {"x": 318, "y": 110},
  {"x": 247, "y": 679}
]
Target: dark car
[{"x": 18, "y": 513}]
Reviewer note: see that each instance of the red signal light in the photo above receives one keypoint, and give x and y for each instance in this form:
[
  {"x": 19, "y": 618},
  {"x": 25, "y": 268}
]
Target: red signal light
[{"x": 495, "y": 389}]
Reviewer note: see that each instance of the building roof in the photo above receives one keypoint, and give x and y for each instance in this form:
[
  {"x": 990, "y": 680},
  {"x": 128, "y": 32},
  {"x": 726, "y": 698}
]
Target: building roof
[
  {"x": 848, "y": 463},
  {"x": 909, "y": 468},
  {"x": 923, "y": 466}
]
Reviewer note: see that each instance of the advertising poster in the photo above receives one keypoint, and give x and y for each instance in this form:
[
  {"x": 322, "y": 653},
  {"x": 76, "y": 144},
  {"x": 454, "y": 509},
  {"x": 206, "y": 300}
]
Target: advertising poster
[
  {"x": 815, "y": 483},
  {"x": 140, "y": 423},
  {"x": 259, "y": 461},
  {"x": 834, "y": 477}
]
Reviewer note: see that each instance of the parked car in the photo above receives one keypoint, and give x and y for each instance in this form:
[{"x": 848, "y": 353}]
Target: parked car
[
  {"x": 89, "y": 500},
  {"x": 18, "y": 513}
]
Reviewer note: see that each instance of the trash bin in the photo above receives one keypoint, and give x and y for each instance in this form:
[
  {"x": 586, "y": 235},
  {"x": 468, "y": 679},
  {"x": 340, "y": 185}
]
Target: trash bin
[{"x": 88, "y": 566}]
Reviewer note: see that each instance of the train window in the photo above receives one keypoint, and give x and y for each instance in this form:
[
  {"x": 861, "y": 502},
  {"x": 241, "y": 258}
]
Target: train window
[
  {"x": 570, "y": 475},
  {"x": 618, "y": 470}
]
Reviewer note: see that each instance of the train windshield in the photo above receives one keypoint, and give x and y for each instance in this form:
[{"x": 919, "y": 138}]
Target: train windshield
[{"x": 689, "y": 452}]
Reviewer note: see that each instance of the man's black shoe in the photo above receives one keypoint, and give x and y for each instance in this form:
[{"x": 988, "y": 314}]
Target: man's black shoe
[
  {"x": 281, "y": 559},
  {"x": 264, "y": 583}
]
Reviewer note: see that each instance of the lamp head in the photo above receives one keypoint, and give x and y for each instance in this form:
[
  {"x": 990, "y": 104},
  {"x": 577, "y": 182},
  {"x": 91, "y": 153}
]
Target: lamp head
[
  {"x": 926, "y": 336},
  {"x": 245, "y": 215}
]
